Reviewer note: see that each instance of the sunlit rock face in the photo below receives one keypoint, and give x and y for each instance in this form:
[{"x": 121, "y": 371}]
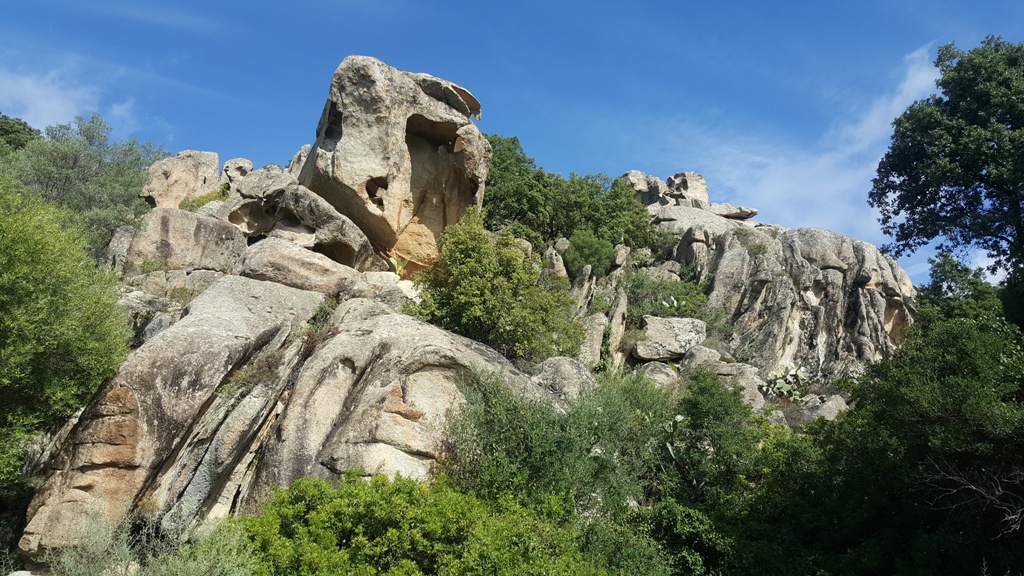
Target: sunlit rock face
[
  {"x": 397, "y": 153},
  {"x": 802, "y": 295}
]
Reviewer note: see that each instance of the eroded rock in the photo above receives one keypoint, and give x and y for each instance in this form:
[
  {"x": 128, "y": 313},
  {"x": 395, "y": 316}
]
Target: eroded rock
[
  {"x": 188, "y": 175},
  {"x": 397, "y": 153},
  {"x": 156, "y": 406},
  {"x": 172, "y": 239}
]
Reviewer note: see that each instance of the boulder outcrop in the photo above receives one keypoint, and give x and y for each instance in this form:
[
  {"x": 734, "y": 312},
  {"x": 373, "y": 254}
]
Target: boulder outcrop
[
  {"x": 397, "y": 153},
  {"x": 804, "y": 295},
  {"x": 188, "y": 175},
  {"x": 245, "y": 372},
  {"x": 270, "y": 202}
]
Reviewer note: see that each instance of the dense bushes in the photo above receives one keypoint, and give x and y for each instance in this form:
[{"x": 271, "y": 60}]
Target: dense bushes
[
  {"x": 489, "y": 288},
  {"x": 406, "y": 527}
]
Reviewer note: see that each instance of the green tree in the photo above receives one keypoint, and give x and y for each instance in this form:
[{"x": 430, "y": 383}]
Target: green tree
[
  {"x": 80, "y": 169},
  {"x": 585, "y": 248},
  {"x": 954, "y": 169},
  {"x": 15, "y": 133},
  {"x": 543, "y": 207},
  {"x": 61, "y": 332},
  {"x": 485, "y": 287}
]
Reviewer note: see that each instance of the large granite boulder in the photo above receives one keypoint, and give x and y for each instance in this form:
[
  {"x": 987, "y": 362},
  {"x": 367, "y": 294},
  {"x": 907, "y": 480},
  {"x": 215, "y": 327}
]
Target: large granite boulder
[
  {"x": 172, "y": 239},
  {"x": 397, "y": 153},
  {"x": 270, "y": 202},
  {"x": 255, "y": 387},
  {"x": 150, "y": 410},
  {"x": 188, "y": 175}
]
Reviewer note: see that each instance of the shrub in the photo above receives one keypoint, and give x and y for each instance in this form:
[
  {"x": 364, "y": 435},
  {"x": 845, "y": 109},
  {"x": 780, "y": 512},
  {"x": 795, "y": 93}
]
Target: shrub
[
  {"x": 116, "y": 549},
  {"x": 406, "y": 527},
  {"x": 661, "y": 297},
  {"x": 61, "y": 332},
  {"x": 599, "y": 454},
  {"x": 193, "y": 204},
  {"x": 485, "y": 288},
  {"x": 585, "y": 248}
]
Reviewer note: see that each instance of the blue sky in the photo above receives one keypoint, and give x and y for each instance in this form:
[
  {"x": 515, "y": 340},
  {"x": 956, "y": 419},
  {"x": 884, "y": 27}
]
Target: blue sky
[{"x": 783, "y": 106}]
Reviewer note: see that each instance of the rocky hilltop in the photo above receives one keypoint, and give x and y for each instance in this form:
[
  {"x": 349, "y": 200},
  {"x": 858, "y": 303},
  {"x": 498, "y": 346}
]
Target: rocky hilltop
[{"x": 270, "y": 343}]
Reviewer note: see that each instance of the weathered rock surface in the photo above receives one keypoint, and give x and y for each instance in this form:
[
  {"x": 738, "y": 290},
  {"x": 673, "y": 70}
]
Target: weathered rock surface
[
  {"x": 150, "y": 409},
  {"x": 189, "y": 174},
  {"x": 397, "y": 153},
  {"x": 270, "y": 202},
  {"x": 173, "y": 239},
  {"x": 278, "y": 260},
  {"x": 668, "y": 338},
  {"x": 375, "y": 395},
  {"x": 688, "y": 185},
  {"x": 804, "y": 295},
  {"x": 234, "y": 171},
  {"x": 564, "y": 377},
  {"x": 241, "y": 374}
]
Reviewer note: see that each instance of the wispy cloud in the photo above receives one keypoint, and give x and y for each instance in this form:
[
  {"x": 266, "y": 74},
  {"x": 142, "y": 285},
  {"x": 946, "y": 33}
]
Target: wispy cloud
[
  {"x": 45, "y": 99},
  {"x": 822, "y": 185},
  {"x": 161, "y": 16},
  {"x": 826, "y": 184}
]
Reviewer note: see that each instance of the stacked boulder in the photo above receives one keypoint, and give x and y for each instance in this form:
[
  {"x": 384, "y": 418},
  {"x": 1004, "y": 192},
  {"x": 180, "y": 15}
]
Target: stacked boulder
[
  {"x": 802, "y": 296},
  {"x": 244, "y": 375}
]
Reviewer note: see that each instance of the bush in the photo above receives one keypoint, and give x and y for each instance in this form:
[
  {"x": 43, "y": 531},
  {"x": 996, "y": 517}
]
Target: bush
[
  {"x": 61, "y": 332},
  {"x": 648, "y": 295},
  {"x": 115, "y": 549},
  {"x": 486, "y": 288},
  {"x": 406, "y": 527},
  {"x": 585, "y": 248}
]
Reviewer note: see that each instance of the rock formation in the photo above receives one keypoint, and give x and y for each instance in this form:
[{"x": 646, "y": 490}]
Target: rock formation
[
  {"x": 246, "y": 376},
  {"x": 397, "y": 153},
  {"x": 245, "y": 372},
  {"x": 188, "y": 175},
  {"x": 805, "y": 295}
]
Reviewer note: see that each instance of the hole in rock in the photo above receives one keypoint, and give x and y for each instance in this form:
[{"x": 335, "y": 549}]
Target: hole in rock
[
  {"x": 375, "y": 188},
  {"x": 338, "y": 251}
]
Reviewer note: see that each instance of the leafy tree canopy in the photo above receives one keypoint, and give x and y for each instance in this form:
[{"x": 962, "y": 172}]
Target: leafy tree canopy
[
  {"x": 15, "y": 133},
  {"x": 543, "y": 207},
  {"x": 954, "y": 170},
  {"x": 61, "y": 332},
  {"x": 79, "y": 168}
]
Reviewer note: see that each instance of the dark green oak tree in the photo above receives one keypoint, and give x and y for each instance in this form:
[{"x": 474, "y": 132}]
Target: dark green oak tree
[{"x": 954, "y": 170}]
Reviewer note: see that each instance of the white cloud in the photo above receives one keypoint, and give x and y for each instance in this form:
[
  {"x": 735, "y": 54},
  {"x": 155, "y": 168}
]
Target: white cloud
[
  {"x": 44, "y": 100},
  {"x": 823, "y": 185},
  {"x": 161, "y": 16},
  {"x": 122, "y": 116}
]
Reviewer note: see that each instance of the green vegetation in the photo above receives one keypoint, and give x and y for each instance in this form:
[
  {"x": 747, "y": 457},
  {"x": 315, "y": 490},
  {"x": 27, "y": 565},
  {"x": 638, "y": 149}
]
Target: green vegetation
[
  {"x": 193, "y": 204},
  {"x": 953, "y": 168},
  {"x": 15, "y": 133},
  {"x": 61, "y": 333},
  {"x": 647, "y": 294},
  {"x": 487, "y": 288},
  {"x": 543, "y": 207},
  {"x": 586, "y": 248},
  {"x": 117, "y": 549},
  {"x": 78, "y": 168},
  {"x": 406, "y": 527}
]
